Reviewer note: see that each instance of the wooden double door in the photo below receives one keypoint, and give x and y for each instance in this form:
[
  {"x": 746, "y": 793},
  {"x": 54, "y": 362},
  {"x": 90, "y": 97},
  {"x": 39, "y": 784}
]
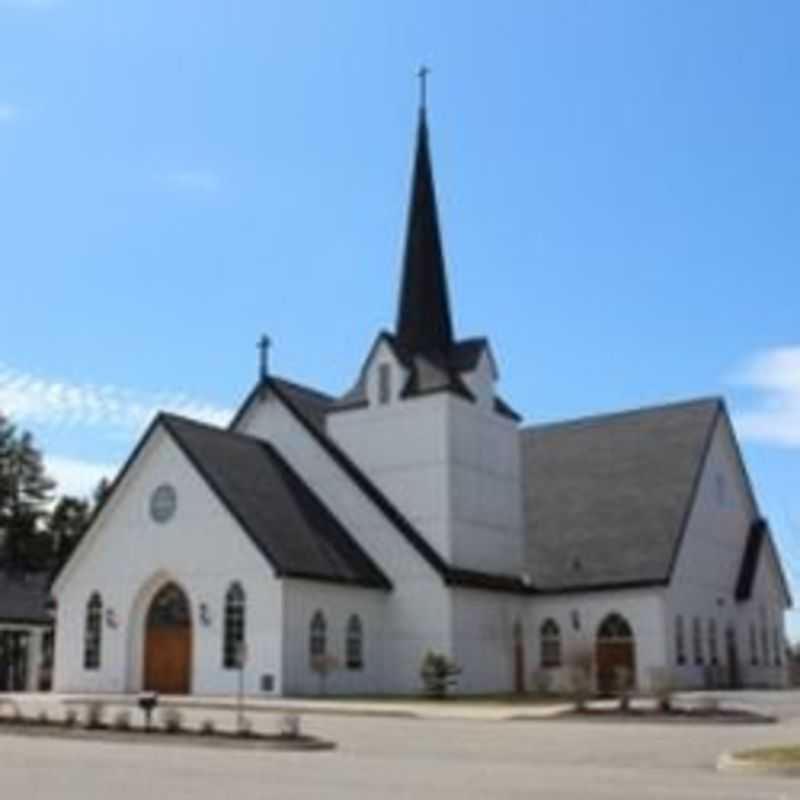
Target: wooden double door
[{"x": 168, "y": 643}]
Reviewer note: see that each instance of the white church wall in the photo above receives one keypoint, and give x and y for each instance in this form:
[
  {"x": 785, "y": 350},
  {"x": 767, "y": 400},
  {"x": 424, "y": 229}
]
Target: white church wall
[
  {"x": 705, "y": 574},
  {"x": 486, "y": 526},
  {"x": 452, "y": 465},
  {"x": 127, "y": 557},
  {"x": 483, "y": 639},
  {"x": 579, "y": 617},
  {"x": 766, "y": 664},
  {"x": 302, "y": 599},
  {"x": 417, "y": 609},
  {"x": 403, "y": 447}
]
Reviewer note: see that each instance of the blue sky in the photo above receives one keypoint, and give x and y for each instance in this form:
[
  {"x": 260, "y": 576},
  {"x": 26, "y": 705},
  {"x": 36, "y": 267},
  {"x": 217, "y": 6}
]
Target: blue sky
[{"x": 618, "y": 186}]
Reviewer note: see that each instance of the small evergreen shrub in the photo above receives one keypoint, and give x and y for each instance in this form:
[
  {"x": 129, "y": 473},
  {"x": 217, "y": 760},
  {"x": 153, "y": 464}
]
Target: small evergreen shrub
[{"x": 438, "y": 674}]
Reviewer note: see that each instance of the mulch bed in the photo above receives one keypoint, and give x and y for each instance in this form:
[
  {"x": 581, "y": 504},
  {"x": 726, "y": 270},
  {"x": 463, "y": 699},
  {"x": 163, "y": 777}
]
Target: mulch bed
[
  {"x": 678, "y": 714},
  {"x": 107, "y": 733}
]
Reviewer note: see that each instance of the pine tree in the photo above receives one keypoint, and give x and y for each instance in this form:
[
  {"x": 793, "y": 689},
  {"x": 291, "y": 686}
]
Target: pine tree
[
  {"x": 25, "y": 491},
  {"x": 68, "y": 523}
]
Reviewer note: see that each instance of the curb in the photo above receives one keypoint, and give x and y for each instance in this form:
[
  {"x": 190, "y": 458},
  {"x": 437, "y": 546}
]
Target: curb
[{"x": 728, "y": 762}]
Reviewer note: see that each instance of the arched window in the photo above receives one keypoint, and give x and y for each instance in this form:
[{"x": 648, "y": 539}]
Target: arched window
[
  {"x": 615, "y": 626},
  {"x": 233, "y": 640},
  {"x": 93, "y": 635},
  {"x": 680, "y": 641},
  {"x": 354, "y": 643},
  {"x": 550, "y": 644},
  {"x": 713, "y": 655},
  {"x": 317, "y": 639},
  {"x": 697, "y": 640}
]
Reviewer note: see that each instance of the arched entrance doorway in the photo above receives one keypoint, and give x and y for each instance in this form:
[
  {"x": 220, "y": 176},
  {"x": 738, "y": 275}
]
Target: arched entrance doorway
[
  {"x": 615, "y": 654},
  {"x": 168, "y": 642}
]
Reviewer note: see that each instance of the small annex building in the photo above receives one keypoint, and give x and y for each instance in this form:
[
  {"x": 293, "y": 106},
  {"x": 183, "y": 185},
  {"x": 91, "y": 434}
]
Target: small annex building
[
  {"x": 26, "y": 631},
  {"x": 351, "y": 534}
]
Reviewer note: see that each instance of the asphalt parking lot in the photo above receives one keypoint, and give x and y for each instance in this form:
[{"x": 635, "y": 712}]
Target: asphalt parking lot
[{"x": 405, "y": 758}]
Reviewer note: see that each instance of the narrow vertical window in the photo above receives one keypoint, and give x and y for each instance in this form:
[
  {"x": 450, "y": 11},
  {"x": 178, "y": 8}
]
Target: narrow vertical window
[
  {"x": 384, "y": 384},
  {"x": 550, "y": 644},
  {"x": 93, "y": 635},
  {"x": 753, "y": 645},
  {"x": 354, "y": 643},
  {"x": 680, "y": 641},
  {"x": 764, "y": 645},
  {"x": 777, "y": 646},
  {"x": 697, "y": 641},
  {"x": 317, "y": 638},
  {"x": 713, "y": 655},
  {"x": 233, "y": 640}
]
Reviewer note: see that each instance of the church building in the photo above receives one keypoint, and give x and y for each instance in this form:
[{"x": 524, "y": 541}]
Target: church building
[{"x": 328, "y": 543}]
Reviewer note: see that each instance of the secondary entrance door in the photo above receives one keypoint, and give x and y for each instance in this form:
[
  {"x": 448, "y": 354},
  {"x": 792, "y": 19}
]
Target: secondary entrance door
[
  {"x": 168, "y": 643},
  {"x": 615, "y": 655}
]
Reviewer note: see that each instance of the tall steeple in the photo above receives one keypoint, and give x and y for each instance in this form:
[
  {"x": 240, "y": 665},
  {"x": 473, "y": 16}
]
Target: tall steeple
[{"x": 423, "y": 316}]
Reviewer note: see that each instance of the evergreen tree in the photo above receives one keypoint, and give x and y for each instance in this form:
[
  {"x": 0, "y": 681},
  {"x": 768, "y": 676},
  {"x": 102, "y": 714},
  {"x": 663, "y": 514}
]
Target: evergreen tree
[
  {"x": 68, "y": 523},
  {"x": 25, "y": 491}
]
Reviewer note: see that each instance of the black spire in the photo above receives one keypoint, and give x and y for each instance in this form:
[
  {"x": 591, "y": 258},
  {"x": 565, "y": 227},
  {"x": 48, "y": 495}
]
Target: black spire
[{"x": 423, "y": 316}]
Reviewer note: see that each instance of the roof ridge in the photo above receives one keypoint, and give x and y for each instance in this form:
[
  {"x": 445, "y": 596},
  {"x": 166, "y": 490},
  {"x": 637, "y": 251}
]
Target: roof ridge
[
  {"x": 628, "y": 412},
  {"x": 168, "y": 417},
  {"x": 301, "y": 387}
]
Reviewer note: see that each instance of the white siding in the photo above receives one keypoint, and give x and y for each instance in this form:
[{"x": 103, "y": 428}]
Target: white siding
[{"x": 127, "y": 557}]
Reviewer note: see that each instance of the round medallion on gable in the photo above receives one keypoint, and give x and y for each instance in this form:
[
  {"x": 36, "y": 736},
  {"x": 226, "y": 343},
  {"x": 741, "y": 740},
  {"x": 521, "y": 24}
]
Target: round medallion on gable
[{"x": 163, "y": 502}]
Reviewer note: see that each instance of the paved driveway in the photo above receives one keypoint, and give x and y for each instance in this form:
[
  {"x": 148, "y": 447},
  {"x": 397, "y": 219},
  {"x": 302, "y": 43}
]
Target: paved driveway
[{"x": 406, "y": 758}]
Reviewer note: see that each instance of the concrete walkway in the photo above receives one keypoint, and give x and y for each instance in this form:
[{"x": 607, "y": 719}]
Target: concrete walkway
[{"x": 458, "y": 709}]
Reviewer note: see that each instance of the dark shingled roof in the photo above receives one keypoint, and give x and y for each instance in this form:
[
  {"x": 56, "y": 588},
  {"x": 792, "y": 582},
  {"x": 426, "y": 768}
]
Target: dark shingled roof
[
  {"x": 607, "y": 498},
  {"x": 284, "y": 518},
  {"x": 23, "y": 597}
]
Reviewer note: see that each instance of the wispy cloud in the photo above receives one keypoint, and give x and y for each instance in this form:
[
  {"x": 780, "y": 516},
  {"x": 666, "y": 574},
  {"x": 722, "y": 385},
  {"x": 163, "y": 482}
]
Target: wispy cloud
[
  {"x": 190, "y": 180},
  {"x": 775, "y": 376},
  {"x": 8, "y": 112},
  {"x": 33, "y": 399},
  {"x": 28, "y": 3},
  {"x": 76, "y": 477}
]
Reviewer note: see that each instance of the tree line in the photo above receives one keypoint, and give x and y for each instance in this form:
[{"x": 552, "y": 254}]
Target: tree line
[{"x": 36, "y": 533}]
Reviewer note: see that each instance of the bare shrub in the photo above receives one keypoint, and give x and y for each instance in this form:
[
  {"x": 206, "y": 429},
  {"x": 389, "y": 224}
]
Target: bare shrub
[
  {"x": 663, "y": 683},
  {"x": 323, "y": 665},
  {"x": 289, "y": 726},
  {"x": 95, "y": 712},
  {"x": 244, "y": 727},
  {"x": 70, "y": 718},
  {"x": 172, "y": 720},
  {"x": 581, "y": 667},
  {"x": 208, "y": 727},
  {"x": 43, "y": 717},
  {"x": 122, "y": 720},
  {"x": 542, "y": 681},
  {"x": 623, "y": 686}
]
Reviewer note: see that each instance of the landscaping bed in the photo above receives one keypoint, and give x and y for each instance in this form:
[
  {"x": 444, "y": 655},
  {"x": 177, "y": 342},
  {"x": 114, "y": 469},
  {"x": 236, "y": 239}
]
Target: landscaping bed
[
  {"x": 170, "y": 731},
  {"x": 675, "y": 714}
]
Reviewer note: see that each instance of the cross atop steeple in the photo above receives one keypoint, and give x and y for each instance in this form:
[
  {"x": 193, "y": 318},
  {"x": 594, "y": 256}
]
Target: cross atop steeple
[{"x": 423, "y": 315}]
